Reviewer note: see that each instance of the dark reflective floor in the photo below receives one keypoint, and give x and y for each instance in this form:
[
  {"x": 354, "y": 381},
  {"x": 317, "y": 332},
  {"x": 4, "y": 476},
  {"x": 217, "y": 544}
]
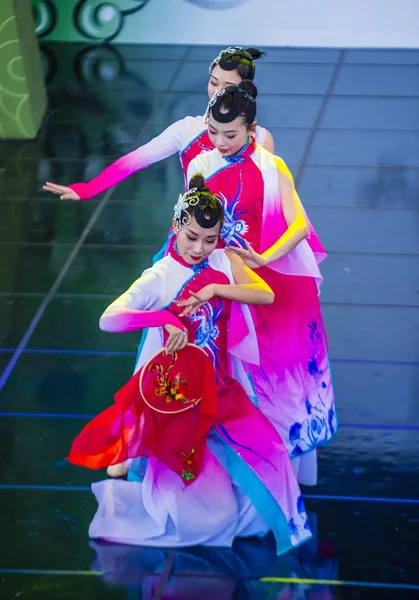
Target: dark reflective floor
[{"x": 347, "y": 122}]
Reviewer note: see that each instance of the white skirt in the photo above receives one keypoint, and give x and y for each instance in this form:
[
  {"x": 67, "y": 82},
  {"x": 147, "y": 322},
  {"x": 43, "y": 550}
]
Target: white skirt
[{"x": 162, "y": 511}]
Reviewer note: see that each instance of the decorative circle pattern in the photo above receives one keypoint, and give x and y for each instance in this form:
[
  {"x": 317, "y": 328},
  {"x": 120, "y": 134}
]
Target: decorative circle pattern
[
  {"x": 45, "y": 17},
  {"x": 99, "y": 63},
  {"x": 100, "y": 20},
  {"x": 14, "y": 97}
]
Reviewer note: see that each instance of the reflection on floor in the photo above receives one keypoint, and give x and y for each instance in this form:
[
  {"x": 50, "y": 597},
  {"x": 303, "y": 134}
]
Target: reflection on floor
[{"x": 347, "y": 123}]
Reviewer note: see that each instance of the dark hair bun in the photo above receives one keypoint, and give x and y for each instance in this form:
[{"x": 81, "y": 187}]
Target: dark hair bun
[
  {"x": 249, "y": 87},
  {"x": 198, "y": 181},
  {"x": 255, "y": 53}
]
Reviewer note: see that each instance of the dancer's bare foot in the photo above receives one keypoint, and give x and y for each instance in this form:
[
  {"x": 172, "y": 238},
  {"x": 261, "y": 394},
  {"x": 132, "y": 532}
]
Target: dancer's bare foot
[{"x": 117, "y": 471}]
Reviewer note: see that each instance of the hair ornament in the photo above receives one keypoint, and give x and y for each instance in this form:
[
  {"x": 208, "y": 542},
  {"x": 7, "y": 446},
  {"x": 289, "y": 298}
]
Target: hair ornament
[
  {"x": 185, "y": 200},
  {"x": 229, "y": 50},
  {"x": 213, "y": 101},
  {"x": 237, "y": 105}
]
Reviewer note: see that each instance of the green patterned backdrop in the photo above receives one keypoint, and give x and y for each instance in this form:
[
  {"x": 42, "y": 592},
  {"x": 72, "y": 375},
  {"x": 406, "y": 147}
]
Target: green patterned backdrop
[
  {"x": 106, "y": 20},
  {"x": 83, "y": 20},
  {"x": 22, "y": 90}
]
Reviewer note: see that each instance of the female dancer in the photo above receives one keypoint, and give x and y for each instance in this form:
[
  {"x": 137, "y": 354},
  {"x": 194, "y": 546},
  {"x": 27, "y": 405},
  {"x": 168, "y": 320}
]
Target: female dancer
[
  {"x": 266, "y": 225},
  {"x": 188, "y": 136},
  {"x": 237, "y": 479}
]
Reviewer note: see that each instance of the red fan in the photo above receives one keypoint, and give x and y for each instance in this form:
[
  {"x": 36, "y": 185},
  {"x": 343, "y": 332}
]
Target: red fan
[
  {"x": 152, "y": 416},
  {"x": 172, "y": 383}
]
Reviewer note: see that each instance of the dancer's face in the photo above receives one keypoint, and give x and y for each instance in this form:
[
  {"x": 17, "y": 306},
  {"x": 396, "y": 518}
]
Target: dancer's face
[
  {"x": 220, "y": 79},
  {"x": 229, "y": 138},
  {"x": 195, "y": 243}
]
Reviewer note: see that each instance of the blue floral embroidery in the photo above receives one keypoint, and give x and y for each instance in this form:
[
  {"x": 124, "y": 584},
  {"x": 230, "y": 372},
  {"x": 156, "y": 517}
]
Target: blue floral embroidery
[
  {"x": 315, "y": 429},
  {"x": 313, "y": 368},
  {"x": 302, "y": 512},
  {"x": 234, "y": 227},
  {"x": 208, "y": 331},
  {"x": 300, "y": 505},
  {"x": 293, "y": 528},
  {"x": 295, "y": 432},
  {"x": 320, "y": 423},
  {"x": 299, "y": 521},
  {"x": 315, "y": 335},
  {"x": 312, "y": 365}
]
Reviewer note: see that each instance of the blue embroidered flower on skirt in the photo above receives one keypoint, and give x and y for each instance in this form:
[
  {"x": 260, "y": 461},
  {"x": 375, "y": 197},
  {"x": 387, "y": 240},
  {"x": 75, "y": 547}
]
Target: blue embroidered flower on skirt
[
  {"x": 315, "y": 335},
  {"x": 316, "y": 429},
  {"x": 313, "y": 367},
  {"x": 299, "y": 521}
]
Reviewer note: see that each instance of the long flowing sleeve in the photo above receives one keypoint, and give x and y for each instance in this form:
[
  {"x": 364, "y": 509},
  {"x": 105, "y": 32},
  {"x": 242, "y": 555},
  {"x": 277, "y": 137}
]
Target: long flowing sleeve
[
  {"x": 164, "y": 145},
  {"x": 139, "y": 307}
]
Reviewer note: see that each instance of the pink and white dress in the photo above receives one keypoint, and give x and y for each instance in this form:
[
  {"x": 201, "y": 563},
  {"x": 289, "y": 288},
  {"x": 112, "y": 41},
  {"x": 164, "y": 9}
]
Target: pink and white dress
[
  {"x": 246, "y": 485},
  {"x": 187, "y": 137},
  {"x": 293, "y": 383}
]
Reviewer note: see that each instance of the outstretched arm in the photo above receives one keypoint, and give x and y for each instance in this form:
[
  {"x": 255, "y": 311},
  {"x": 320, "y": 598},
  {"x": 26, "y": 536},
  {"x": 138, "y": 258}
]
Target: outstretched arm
[{"x": 167, "y": 143}]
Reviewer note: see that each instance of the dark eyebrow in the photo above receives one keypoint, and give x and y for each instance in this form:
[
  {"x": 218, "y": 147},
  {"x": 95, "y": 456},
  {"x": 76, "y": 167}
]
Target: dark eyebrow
[
  {"x": 209, "y": 237},
  {"x": 228, "y": 130}
]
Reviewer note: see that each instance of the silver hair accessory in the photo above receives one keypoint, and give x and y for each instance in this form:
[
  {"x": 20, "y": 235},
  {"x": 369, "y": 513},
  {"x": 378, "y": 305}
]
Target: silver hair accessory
[
  {"x": 184, "y": 202},
  {"x": 229, "y": 50},
  {"x": 213, "y": 100}
]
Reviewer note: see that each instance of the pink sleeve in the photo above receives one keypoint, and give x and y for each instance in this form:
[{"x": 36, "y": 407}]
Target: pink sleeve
[
  {"x": 136, "y": 308},
  {"x": 131, "y": 320},
  {"x": 167, "y": 143}
]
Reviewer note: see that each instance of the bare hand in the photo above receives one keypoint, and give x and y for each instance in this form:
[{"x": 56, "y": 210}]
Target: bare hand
[
  {"x": 196, "y": 300},
  {"x": 177, "y": 340},
  {"x": 250, "y": 258},
  {"x": 64, "y": 192}
]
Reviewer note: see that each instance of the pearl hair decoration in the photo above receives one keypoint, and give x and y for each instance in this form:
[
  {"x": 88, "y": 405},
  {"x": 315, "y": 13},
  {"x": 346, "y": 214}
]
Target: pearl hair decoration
[{"x": 185, "y": 200}]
